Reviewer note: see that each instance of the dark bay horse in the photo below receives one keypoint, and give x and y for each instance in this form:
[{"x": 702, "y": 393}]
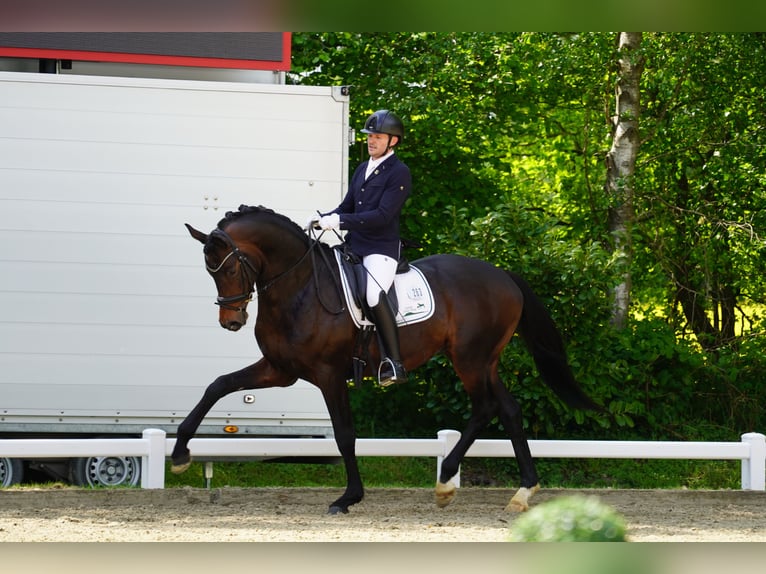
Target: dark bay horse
[{"x": 302, "y": 334}]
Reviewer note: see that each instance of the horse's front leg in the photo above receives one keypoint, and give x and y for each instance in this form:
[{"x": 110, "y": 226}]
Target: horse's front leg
[
  {"x": 339, "y": 407},
  {"x": 510, "y": 416},
  {"x": 259, "y": 375}
]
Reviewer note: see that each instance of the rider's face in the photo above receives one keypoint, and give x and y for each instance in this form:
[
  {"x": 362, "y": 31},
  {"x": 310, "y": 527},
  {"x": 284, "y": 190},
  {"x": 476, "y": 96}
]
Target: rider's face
[{"x": 377, "y": 144}]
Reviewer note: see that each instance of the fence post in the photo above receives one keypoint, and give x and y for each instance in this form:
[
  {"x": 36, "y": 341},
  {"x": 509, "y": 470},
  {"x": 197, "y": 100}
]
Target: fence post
[
  {"x": 449, "y": 438},
  {"x": 153, "y": 464},
  {"x": 754, "y": 468}
]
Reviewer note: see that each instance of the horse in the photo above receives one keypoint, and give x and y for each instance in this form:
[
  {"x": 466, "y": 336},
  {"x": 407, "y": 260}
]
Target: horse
[{"x": 303, "y": 333}]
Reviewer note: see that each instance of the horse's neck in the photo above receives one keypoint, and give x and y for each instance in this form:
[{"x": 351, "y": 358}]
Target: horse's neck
[{"x": 284, "y": 264}]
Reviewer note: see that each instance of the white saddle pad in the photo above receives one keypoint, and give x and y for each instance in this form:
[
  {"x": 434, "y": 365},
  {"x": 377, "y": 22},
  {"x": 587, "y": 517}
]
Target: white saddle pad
[{"x": 416, "y": 301}]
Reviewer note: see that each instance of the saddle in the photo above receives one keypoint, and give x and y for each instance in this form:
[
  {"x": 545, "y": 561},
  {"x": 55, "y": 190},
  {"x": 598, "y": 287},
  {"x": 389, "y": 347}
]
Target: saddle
[{"x": 410, "y": 294}]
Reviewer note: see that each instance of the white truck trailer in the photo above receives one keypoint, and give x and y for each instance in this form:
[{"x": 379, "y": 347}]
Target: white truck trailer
[{"x": 107, "y": 322}]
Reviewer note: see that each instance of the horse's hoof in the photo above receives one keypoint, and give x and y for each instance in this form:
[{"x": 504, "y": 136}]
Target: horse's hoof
[
  {"x": 445, "y": 493},
  {"x": 180, "y": 468},
  {"x": 520, "y": 500},
  {"x": 337, "y": 510}
]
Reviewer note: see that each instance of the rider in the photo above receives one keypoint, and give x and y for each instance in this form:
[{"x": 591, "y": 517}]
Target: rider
[{"x": 370, "y": 213}]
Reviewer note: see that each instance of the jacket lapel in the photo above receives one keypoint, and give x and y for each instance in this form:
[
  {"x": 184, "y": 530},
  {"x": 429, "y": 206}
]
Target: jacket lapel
[{"x": 381, "y": 168}]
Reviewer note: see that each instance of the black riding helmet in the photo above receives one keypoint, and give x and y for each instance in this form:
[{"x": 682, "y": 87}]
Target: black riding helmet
[{"x": 384, "y": 122}]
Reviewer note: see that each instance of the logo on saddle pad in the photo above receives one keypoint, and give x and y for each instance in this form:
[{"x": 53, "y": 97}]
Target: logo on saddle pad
[{"x": 412, "y": 298}]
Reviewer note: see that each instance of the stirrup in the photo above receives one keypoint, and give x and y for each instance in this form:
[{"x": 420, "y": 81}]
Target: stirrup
[{"x": 391, "y": 372}]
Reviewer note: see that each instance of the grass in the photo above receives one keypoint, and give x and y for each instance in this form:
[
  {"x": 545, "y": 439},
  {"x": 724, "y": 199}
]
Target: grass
[
  {"x": 400, "y": 472},
  {"x": 420, "y": 472}
]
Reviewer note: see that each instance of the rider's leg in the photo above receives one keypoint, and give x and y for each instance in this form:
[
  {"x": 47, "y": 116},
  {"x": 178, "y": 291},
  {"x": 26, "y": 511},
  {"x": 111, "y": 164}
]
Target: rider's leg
[{"x": 381, "y": 272}]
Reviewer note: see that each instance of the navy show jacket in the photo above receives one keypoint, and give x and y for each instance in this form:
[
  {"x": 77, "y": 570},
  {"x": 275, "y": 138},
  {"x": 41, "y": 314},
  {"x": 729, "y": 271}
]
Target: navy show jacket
[{"x": 371, "y": 208}]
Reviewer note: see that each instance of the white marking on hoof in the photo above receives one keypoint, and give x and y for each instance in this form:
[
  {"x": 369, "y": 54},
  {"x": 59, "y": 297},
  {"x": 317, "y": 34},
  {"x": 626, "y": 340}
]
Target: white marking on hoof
[
  {"x": 180, "y": 468},
  {"x": 445, "y": 493},
  {"x": 520, "y": 500}
]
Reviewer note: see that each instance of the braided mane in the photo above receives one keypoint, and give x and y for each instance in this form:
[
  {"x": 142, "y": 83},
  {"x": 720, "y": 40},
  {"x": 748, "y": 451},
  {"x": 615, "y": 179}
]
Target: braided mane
[{"x": 259, "y": 210}]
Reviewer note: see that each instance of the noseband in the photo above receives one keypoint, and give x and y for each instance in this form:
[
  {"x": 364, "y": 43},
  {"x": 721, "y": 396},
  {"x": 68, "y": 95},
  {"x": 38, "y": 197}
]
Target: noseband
[{"x": 247, "y": 280}]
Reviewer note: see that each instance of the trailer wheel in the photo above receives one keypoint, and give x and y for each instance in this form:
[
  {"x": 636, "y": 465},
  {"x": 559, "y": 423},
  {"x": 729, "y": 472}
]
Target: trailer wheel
[
  {"x": 11, "y": 471},
  {"x": 106, "y": 471}
]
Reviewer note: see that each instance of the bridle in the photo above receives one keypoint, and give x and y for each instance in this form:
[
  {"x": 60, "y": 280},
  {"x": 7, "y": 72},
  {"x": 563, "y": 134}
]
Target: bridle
[{"x": 248, "y": 275}]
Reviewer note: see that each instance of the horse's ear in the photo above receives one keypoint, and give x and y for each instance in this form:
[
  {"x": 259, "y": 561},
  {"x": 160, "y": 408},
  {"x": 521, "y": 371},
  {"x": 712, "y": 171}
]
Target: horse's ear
[{"x": 198, "y": 235}]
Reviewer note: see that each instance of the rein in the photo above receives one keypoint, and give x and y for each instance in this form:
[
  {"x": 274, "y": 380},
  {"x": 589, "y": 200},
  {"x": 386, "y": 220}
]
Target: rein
[
  {"x": 248, "y": 281},
  {"x": 286, "y": 271},
  {"x": 336, "y": 280}
]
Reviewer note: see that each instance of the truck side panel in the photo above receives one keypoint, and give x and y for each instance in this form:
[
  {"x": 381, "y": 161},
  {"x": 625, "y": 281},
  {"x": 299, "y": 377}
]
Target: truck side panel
[{"x": 107, "y": 320}]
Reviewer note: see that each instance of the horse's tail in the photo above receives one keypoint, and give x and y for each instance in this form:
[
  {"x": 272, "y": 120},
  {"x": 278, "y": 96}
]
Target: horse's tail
[{"x": 544, "y": 341}]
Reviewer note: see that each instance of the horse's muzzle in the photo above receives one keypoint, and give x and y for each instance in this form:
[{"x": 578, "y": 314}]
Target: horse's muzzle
[
  {"x": 232, "y": 325},
  {"x": 233, "y": 321}
]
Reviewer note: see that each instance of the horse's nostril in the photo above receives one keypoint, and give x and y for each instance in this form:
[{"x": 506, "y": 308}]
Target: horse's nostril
[{"x": 232, "y": 325}]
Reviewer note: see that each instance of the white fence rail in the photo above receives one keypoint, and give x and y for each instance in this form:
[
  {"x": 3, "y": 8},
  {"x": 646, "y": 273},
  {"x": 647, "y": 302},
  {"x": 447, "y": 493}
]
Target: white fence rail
[
  {"x": 150, "y": 447},
  {"x": 154, "y": 447}
]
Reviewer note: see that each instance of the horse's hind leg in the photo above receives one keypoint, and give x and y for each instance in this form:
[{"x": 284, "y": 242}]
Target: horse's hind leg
[
  {"x": 258, "y": 375},
  {"x": 482, "y": 411},
  {"x": 510, "y": 416}
]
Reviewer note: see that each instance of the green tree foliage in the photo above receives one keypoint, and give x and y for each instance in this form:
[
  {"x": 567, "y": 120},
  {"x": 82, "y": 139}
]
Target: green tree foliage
[
  {"x": 702, "y": 174},
  {"x": 506, "y": 136}
]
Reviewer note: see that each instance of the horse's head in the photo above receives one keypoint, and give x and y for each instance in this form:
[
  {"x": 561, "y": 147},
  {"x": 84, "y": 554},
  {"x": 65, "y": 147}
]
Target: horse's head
[
  {"x": 233, "y": 273},
  {"x": 249, "y": 246}
]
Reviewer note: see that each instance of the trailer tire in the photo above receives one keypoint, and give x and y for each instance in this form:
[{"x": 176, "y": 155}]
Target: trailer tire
[
  {"x": 98, "y": 471},
  {"x": 11, "y": 471}
]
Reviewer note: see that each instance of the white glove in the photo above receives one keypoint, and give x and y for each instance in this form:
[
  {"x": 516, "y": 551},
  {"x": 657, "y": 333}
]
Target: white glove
[
  {"x": 312, "y": 221},
  {"x": 331, "y": 221}
]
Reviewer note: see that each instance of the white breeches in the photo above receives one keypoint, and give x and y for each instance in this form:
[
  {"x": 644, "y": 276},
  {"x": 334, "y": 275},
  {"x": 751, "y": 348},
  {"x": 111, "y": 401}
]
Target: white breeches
[{"x": 381, "y": 271}]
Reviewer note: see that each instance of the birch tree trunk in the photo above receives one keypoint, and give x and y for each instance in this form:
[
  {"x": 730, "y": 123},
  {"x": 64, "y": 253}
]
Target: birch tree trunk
[{"x": 621, "y": 163}]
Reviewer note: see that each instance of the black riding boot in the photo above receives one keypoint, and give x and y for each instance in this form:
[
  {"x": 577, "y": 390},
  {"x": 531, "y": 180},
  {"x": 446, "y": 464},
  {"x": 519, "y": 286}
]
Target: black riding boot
[{"x": 391, "y": 369}]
